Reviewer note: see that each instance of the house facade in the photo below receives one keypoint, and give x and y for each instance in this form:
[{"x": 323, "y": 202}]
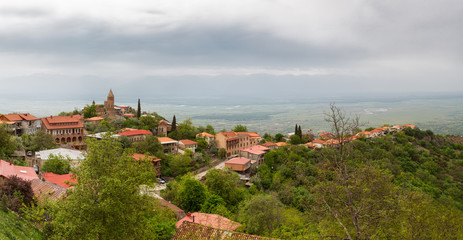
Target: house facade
[
  {"x": 233, "y": 142},
  {"x": 169, "y": 144},
  {"x": 64, "y": 129},
  {"x": 188, "y": 144},
  {"x": 22, "y": 123}
]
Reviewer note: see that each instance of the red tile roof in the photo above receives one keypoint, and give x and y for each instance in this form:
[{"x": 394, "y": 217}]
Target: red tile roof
[
  {"x": 326, "y": 135},
  {"x": 269, "y": 144},
  {"x": 228, "y": 134},
  {"x": 408, "y": 125},
  {"x": 205, "y": 134},
  {"x": 281, "y": 144},
  {"x": 238, "y": 160},
  {"x": 189, "y": 230},
  {"x": 20, "y": 117},
  {"x": 187, "y": 142},
  {"x": 61, "y": 180},
  {"x": 258, "y": 149},
  {"x": 166, "y": 140},
  {"x": 318, "y": 141},
  {"x": 94, "y": 119},
  {"x": 135, "y": 132},
  {"x": 164, "y": 122},
  {"x": 43, "y": 189},
  {"x": 130, "y": 115},
  {"x": 7, "y": 170},
  {"x": 67, "y": 121},
  {"x": 210, "y": 220}
]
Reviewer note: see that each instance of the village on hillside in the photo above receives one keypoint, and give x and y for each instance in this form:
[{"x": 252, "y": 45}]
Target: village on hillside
[{"x": 156, "y": 139}]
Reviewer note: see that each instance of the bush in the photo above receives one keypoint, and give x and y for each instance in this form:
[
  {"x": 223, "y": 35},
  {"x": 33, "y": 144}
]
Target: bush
[{"x": 17, "y": 192}]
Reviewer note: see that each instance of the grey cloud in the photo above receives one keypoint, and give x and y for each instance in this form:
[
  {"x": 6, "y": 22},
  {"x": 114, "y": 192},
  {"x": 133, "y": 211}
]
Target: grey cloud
[{"x": 23, "y": 12}]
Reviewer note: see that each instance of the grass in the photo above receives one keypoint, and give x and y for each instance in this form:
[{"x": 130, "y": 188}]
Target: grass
[{"x": 13, "y": 227}]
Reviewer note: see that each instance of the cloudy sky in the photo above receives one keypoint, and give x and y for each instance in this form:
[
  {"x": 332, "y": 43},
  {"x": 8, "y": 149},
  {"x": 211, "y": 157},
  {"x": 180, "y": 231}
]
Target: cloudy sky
[{"x": 139, "y": 48}]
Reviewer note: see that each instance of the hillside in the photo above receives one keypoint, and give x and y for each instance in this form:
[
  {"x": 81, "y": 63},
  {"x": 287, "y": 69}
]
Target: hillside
[{"x": 12, "y": 227}]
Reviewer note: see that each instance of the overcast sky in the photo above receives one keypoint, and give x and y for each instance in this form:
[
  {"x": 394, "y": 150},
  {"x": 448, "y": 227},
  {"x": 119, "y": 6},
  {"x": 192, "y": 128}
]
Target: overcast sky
[{"x": 165, "y": 48}]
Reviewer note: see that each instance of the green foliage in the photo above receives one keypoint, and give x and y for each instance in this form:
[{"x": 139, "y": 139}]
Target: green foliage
[
  {"x": 225, "y": 183},
  {"x": 174, "y": 123},
  {"x": 7, "y": 143},
  {"x": 148, "y": 123},
  {"x": 104, "y": 126},
  {"x": 163, "y": 224},
  {"x": 139, "y": 109},
  {"x": 192, "y": 195},
  {"x": 90, "y": 111},
  {"x": 212, "y": 204},
  {"x": 57, "y": 164},
  {"x": 240, "y": 128},
  {"x": 295, "y": 139},
  {"x": 180, "y": 164},
  {"x": 125, "y": 141},
  {"x": 185, "y": 130},
  {"x": 261, "y": 214},
  {"x": 279, "y": 137},
  {"x": 41, "y": 141},
  {"x": 13, "y": 227},
  {"x": 149, "y": 145},
  {"x": 107, "y": 203},
  {"x": 222, "y": 153}
]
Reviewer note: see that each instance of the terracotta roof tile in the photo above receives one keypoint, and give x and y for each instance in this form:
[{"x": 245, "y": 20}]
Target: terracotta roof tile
[
  {"x": 165, "y": 140},
  {"x": 68, "y": 121},
  {"x": 189, "y": 230},
  {"x": 210, "y": 220},
  {"x": 238, "y": 160},
  {"x": 44, "y": 189},
  {"x": 188, "y": 142},
  {"x": 135, "y": 132},
  {"x": 59, "y": 179},
  {"x": 26, "y": 173}
]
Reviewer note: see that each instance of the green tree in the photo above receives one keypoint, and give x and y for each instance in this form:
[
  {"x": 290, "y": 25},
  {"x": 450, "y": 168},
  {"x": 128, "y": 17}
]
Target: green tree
[
  {"x": 192, "y": 194},
  {"x": 225, "y": 183},
  {"x": 222, "y": 153},
  {"x": 125, "y": 141},
  {"x": 210, "y": 129},
  {"x": 261, "y": 214},
  {"x": 139, "y": 109},
  {"x": 174, "y": 123},
  {"x": 90, "y": 111},
  {"x": 180, "y": 164},
  {"x": 104, "y": 126},
  {"x": 42, "y": 140},
  {"x": 107, "y": 202},
  {"x": 7, "y": 143},
  {"x": 148, "y": 123},
  {"x": 57, "y": 164},
  {"x": 279, "y": 137},
  {"x": 295, "y": 139},
  {"x": 149, "y": 145},
  {"x": 240, "y": 128}
]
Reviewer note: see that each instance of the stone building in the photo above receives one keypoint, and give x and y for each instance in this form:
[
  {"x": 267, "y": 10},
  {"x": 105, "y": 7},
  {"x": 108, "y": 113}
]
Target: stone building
[{"x": 64, "y": 129}]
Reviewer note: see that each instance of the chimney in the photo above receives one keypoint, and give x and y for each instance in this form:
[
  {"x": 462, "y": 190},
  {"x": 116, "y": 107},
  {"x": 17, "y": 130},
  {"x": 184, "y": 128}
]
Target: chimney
[
  {"x": 188, "y": 214},
  {"x": 193, "y": 218}
]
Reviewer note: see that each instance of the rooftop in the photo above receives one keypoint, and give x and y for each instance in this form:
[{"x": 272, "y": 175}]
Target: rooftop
[
  {"x": 61, "y": 180},
  {"x": 138, "y": 156},
  {"x": 69, "y": 121},
  {"x": 210, "y": 220},
  {"x": 188, "y": 142},
  {"x": 65, "y": 152},
  {"x": 238, "y": 160},
  {"x": 166, "y": 140},
  {"x": 7, "y": 170},
  {"x": 136, "y": 132},
  {"x": 20, "y": 117},
  {"x": 44, "y": 189}
]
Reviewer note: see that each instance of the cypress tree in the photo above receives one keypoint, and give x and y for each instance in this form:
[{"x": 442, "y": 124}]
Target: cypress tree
[
  {"x": 295, "y": 130},
  {"x": 300, "y": 131},
  {"x": 174, "y": 124},
  {"x": 139, "y": 109}
]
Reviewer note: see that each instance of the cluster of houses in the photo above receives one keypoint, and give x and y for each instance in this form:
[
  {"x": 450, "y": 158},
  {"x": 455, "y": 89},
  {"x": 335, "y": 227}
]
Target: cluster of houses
[{"x": 328, "y": 139}]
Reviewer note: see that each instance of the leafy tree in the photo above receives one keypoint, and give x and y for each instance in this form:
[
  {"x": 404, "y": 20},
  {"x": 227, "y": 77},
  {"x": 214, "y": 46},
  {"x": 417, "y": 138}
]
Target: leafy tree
[
  {"x": 17, "y": 192},
  {"x": 104, "y": 126},
  {"x": 125, "y": 141},
  {"x": 192, "y": 194},
  {"x": 90, "y": 111},
  {"x": 7, "y": 143},
  {"x": 42, "y": 140},
  {"x": 107, "y": 203},
  {"x": 222, "y": 153},
  {"x": 212, "y": 203},
  {"x": 295, "y": 139},
  {"x": 224, "y": 183},
  {"x": 279, "y": 137},
  {"x": 149, "y": 145},
  {"x": 148, "y": 123},
  {"x": 57, "y": 164},
  {"x": 261, "y": 214},
  {"x": 210, "y": 129},
  {"x": 185, "y": 130},
  {"x": 240, "y": 128},
  {"x": 139, "y": 109},
  {"x": 180, "y": 164}
]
